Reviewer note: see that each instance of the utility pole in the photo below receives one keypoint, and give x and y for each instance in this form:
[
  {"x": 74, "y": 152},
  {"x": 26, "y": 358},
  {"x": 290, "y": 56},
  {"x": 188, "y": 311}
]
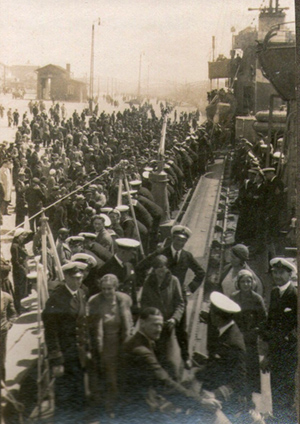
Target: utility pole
[
  {"x": 213, "y": 48},
  {"x": 92, "y": 67},
  {"x": 140, "y": 72}
]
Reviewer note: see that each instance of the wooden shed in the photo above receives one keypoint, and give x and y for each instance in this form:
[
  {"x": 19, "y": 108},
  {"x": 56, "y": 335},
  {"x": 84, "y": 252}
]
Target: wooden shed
[{"x": 55, "y": 83}]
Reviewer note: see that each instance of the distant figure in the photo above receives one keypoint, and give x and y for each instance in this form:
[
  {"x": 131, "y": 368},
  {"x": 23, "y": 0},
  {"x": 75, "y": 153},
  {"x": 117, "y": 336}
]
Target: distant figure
[{"x": 8, "y": 316}]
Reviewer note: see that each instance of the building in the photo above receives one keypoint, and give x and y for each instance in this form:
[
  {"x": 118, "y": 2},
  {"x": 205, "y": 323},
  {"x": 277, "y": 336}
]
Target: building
[
  {"x": 18, "y": 77},
  {"x": 55, "y": 83}
]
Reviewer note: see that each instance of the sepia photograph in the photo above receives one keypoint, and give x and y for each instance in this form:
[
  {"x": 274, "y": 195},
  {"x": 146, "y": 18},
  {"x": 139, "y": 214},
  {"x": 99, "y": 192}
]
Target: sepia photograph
[{"x": 148, "y": 212}]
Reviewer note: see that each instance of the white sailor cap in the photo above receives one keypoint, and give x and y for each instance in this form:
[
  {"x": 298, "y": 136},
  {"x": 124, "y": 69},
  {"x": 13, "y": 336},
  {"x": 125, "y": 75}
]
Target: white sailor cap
[
  {"x": 278, "y": 155},
  {"x": 106, "y": 209},
  {"x": 106, "y": 219},
  {"x": 131, "y": 192},
  {"x": 268, "y": 170},
  {"x": 32, "y": 275},
  {"x": 116, "y": 211},
  {"x": 148, "y": 169},
  {"x": 74, "y": 268},
  {"x": 88, "y": 235},
  {"x": 79, "y": 197},
  {"x": 222, "y": 302},
  {"x": 19, "y": 231},
  {"x": 127, "y": 243},
  {"x": 85, "y": 258},
  {"x": 75, "y": 239},
  {"x": 181, "y": 231},
  {"x": 282, "y": 263},
  {"x": 111, "y": 232},
  {"x": 122, "y": 208},
  {"x": 135, "y": 183},
  {"x": 145, "y": 175}
]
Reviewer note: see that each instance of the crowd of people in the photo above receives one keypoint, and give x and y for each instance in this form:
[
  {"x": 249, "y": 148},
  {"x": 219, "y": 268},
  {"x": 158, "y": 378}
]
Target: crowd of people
[{"x": 121, "y": 311}]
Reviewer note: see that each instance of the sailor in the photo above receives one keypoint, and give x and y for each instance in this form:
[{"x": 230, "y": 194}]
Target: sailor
[
  {"x": 280, "y": 335},
  {"x": 91, "y": 247},
  {"x": 66, "y": 338},
  {"x": 121, "y": 266},
  {"x": 75, "y": 243},
  {"x": 225, "y": 371},
  {"x": 103, "y": 237},
  {"x": 21, "y": 205}
]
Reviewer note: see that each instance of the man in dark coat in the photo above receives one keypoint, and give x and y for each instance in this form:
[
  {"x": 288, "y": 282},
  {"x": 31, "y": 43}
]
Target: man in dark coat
[
  {"x": 143, "y": 373},
  {"x": 280, "y": 334},
  {"x": 66, "y": 338},
  {"x": 120, "y": 265},
  {"x": 179, "y": 262},
  {"x": 35, "y": 199},
  {"x": 21, "y": 205},
  {"x": 225, "y": 372}
]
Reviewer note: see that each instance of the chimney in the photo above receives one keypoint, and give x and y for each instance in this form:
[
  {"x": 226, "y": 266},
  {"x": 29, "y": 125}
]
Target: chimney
[{"x": 68, "y": 68}]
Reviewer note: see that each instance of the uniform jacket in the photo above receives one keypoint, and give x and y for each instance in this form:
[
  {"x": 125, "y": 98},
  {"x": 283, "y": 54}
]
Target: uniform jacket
[
  {"x": 227, "y": 362},
  {"x": 280, "y": 330},
  {"x": 65, "y": 327},
  {"x": 125, "y": 274}
]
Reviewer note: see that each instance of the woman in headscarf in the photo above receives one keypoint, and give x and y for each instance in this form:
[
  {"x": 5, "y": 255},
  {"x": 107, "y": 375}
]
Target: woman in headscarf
[
  {"x": 252, "y": 316},
  {"x": 238, "y": 260},
  {"x": 110, "y": 323}
]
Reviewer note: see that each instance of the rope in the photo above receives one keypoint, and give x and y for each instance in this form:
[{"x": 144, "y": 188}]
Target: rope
[{"x": 62, "y": 198}]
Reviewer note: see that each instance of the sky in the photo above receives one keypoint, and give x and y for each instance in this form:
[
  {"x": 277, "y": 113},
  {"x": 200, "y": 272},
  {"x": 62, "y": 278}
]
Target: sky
[{"x": 174, "y": 37}]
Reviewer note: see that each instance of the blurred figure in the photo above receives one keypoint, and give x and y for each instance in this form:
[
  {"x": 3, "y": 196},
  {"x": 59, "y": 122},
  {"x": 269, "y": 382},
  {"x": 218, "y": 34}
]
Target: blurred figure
[
  {"x": 162, "y": 290},
  {"x": 110, "y": 323},
  {"x": 252, "y": 317}
]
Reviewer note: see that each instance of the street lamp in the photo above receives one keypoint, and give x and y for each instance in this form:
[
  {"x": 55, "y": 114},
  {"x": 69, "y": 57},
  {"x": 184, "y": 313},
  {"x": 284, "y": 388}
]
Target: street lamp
[
  {"x": 92, "y": 66},
  {"x": 140, "y": 72}
]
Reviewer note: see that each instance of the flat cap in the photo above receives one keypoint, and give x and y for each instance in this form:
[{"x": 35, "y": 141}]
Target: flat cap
[
  {"x": 181, "y": 231},
  {"x": 127, "y": 243},
  {"x": 282, "y": 263},
  {"x": 223, "y": 303}
]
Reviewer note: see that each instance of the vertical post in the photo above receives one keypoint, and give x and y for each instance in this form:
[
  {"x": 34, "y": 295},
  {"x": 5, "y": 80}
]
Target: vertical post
[
  {"x": 270, "y": 123},
  {"x": 159, "y": 179},
  {"x": 44, "y": 220},
  {"x": 213, "y": 48},
  {"x": 92, "y": 67},
  {"x": 133, "y": 214},
  {"x": 140, "y": 72},
  {"x": 119, "y": 201}
]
